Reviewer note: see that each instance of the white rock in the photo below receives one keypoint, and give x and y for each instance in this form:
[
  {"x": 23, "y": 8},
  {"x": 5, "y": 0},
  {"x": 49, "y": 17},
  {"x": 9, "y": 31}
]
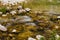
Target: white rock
[
  {"x": 51, "y": 12},
  {"x": 8, "y": 24},
  {"x": 0, "y": 12},
  {"x": 4, "y": 15},
  {"x": 14, "y": 30},
  {"x": 33, "y": 24},
  {"x": 20, "y": 7},
  {"x": 15, "y": 3},
  {"x": 3, "y": 28},
  {"x": 12, "y": 20},
  {"x": 8, "y": 8},
  {"x": 21, "y": 11},
  {"x": 7, "y": 13},
  {"x": 27, "y": 9},
  {"x": 58, "y": 16},
  {"x": 57, "y": 36},
  {"x": 38, "y": 37},
  {"x": 13, "y": 12},
  {"x": 30, "y": 38},
  {"x": 20, "y": 1},
  {"x": 12, "y": 4},
  {"x": 56, "y": 27},
  {"x": 25, "y": 19}
]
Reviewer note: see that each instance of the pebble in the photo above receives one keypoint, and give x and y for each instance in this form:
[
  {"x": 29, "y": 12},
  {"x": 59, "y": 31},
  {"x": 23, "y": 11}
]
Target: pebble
[
  {"x": 3, "y": 28},
  {"x": 21, "y": 11},
  {"x": 4, "y": 15},
  {"x": 23, "y": 19},
  {"x": 57, "y": 36},
  {"x": 13, "y": 2},
  {"x": 19, "y": 7},
  {"x": 8, "y": 8},
  {"x": 1, "y": 12},
  {"x": 38, "y": 36},
  {"x": 13, "y": 12},
  {"x": 58, "y": 16},
  {"x": 33, "y": 24},
  {"x": 56, "y": 27},
  {"x": 27, "y": 9},
  {"x": 14, "y": 30},
  {"x": 30, "y": 38}
]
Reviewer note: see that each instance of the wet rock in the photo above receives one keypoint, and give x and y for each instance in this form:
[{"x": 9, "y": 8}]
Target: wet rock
[{"x": 23, "y": 19}]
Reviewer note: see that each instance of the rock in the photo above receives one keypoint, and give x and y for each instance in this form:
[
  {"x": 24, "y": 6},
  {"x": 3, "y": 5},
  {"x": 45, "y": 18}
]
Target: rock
[
  {"x": 1, "y": 12},
  {"x": 30, "y": 38},
  {"x": 58, "y": 16},
  {"x": 27, "y": 9},
  {"x": 19, "y": 7},
  {"x": 57, "y": 36},
  {"x": 23, "y": 19},
  {"x": 21, "y": 11},
  {"x": 38, "y": 37},
  {"x": 8, "y": 8},
  {"x": 56, "y": 27},
  {"x": 12, "y": 20},
  {"x": 8, "y": 24},
  {"x": 11, "y": 35},
  {"x": 6, "y": 2},
  {"x": 3, "y": 28},
  {"x": 33, "y": 24},
  {"x": 51, "y": 11},
  {"x": 13, "y": 12},
  {"x": 4, "y": 15},
  {"x": 14, "y": 30}
]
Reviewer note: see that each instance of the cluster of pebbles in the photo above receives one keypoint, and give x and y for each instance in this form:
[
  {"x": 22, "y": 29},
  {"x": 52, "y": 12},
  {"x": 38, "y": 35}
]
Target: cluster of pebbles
[
  {"x": 11, "y": 2},
  {"x": 12, "y": 13},
  {"x": 21, "y": 23}
]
